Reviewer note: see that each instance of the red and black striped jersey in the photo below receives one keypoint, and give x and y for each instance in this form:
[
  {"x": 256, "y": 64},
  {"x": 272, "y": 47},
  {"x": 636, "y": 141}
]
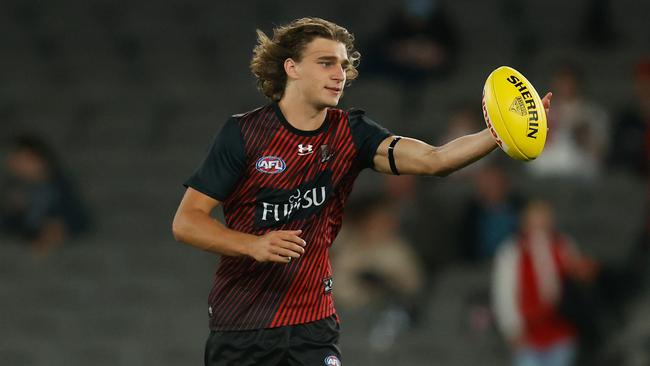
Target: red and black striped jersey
[{"x": 271, "y": 176}]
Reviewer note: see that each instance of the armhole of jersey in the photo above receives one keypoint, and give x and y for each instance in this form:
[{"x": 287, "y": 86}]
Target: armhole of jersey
[
  {"x": 352, "y": 114},
  {"x": 372, "y": 135},
  {"x": 244, "y": 153}
]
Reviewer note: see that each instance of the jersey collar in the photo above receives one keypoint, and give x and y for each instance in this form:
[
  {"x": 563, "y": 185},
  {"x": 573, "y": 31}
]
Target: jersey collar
[{"x": 292, "y": 129}]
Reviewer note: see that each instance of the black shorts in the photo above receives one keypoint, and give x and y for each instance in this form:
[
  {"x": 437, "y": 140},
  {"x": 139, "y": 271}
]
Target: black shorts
[{"x": 311, "y": 344}]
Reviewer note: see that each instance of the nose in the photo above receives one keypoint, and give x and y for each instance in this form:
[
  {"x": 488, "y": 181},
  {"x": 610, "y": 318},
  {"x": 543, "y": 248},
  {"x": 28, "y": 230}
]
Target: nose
[{"x": 339, "y": 73}]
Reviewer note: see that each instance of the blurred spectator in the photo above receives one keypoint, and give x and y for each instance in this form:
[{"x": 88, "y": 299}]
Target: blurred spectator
[
  {"x": 576, "y": 142},
  {"x": 402, "y": 191},
  {"x": 528, "y": 278},
  {"x": 465, "y": 119},
  {"x": 374, "y": 264},
  {"x": 631, "y": 138},
  {"x": 418, "y": 44},
  {"x": 490, "y": 216},
  {"x": 37, "y": 201}
]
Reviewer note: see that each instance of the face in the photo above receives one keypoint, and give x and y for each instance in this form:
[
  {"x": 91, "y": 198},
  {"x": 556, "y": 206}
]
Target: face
[
  {"x": 538, "y": 217},
  {"x": 320, "y": 75},
  {"x": 27, "y": 166}
]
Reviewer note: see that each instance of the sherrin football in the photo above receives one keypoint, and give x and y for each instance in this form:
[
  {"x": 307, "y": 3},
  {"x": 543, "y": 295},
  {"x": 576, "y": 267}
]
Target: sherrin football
[{"x": 514, "y": 114}]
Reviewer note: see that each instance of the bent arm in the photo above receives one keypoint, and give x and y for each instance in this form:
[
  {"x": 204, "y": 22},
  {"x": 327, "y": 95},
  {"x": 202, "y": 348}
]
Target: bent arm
[
  {"x": 193, "y": 225},
  {"x": 419, "y": 158}
]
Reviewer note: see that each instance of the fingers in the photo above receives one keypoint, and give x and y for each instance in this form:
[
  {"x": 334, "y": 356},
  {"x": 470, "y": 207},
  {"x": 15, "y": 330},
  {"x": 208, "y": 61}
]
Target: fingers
[
  {"x": 287, "y": 253},
  {"x": 291, "y": 246},
  {"x": 280, "y": 259},
  {"x": 285, "y": 245},
  {"x": 283, "y": 256},
  {"x": 546, "y": 101},
  {"x": 292, "y": 236}
]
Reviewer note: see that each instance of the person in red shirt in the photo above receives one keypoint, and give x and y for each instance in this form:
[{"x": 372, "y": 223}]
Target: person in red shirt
[{"x": 527, "y": 288}]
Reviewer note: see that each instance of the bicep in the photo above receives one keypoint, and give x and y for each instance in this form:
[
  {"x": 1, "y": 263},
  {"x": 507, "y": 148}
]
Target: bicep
[
  {"x": 411, "y": 156},
  {"x": 195, "y": 200}
]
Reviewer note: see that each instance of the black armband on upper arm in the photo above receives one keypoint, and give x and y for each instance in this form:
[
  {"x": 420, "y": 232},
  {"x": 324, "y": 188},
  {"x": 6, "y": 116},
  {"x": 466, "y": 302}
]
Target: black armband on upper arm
[{"x": 391, "y": 155}]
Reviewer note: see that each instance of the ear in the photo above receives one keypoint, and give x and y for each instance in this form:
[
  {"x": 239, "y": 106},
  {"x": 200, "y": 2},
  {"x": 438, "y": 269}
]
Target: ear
[{"x": 291, "y": 68}]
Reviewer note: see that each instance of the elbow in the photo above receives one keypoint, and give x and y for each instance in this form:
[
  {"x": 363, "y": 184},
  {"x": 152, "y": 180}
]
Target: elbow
[
  {"x": 438, "y": 166},
  {"x": 176, "y": 232},
  {"x": 442, "y": 173},
  {"x": 179, "y": 229}
]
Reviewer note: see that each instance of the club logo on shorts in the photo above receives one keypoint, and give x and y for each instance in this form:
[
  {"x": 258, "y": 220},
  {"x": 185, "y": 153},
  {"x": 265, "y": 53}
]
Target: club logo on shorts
[
  {"x": 332, "y": 361},
  {"x": 270, "y": 165}
]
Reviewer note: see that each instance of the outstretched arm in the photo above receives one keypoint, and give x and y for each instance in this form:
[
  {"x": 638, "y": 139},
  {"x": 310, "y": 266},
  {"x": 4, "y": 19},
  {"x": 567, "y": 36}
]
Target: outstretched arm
[{"x": 419, "y": 158}]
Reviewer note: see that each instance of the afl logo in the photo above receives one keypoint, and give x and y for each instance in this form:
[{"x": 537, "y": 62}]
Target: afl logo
[
  {"x": 332, "y": 361},
  {"x": 270, "y": 165}
]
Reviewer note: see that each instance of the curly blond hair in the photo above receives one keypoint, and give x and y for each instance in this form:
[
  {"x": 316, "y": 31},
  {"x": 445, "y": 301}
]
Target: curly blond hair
[{"x": 289, "y": 41}]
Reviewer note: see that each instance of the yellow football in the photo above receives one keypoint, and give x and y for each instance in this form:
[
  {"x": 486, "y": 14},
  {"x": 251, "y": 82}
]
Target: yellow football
[{"x": 514, "y": 113}]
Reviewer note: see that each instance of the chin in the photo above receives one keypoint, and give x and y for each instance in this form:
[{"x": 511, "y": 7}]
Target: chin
[
  {"x": 327, "y": 104},
  {"x": 332, "y": 102}
]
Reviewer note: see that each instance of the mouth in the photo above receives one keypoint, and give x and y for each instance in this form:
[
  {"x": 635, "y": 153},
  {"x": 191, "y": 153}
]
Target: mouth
[{"x": 334, "y": 89}]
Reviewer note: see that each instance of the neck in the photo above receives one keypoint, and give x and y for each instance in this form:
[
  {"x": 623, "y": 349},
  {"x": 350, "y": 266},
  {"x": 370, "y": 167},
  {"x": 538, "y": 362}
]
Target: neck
[{"x": 301, "y": 114}]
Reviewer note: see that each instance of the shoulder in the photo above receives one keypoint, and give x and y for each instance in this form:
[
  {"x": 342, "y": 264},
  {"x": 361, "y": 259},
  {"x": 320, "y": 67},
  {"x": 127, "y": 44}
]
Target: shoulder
[
  {"x": 566, "y": 242},
  {"x": 250, "y": 120},
  {"x": 508, "y": 250},
  {"x": 252, "y": 112},
  {"x": 355, "y": 113},
  {"x": 350, "y": 113},
  {"x": 563, "y": 239},
  {"x": 359, "y": 119},
  {"x": 252, "y": 115}
]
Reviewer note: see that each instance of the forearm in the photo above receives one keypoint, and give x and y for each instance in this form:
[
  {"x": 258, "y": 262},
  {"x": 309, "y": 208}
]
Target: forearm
[
  {"x": 196, "y": 228},
  {"x": 461, "y": 152}
]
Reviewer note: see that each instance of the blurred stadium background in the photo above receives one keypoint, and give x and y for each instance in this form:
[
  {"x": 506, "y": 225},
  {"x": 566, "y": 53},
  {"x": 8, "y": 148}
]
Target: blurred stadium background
[{"x": 129, "y": 93}]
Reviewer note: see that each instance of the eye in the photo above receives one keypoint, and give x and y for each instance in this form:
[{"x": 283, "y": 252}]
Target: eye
[{"x": 326, "y": 63}]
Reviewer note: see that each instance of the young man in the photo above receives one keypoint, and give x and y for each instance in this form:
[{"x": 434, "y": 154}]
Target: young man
[{"x": 283, "y": 173}]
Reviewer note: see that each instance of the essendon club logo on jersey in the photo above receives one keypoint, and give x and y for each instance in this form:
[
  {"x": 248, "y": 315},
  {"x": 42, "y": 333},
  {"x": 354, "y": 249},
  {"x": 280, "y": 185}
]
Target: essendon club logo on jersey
[{"x": 270, "y": 165}]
